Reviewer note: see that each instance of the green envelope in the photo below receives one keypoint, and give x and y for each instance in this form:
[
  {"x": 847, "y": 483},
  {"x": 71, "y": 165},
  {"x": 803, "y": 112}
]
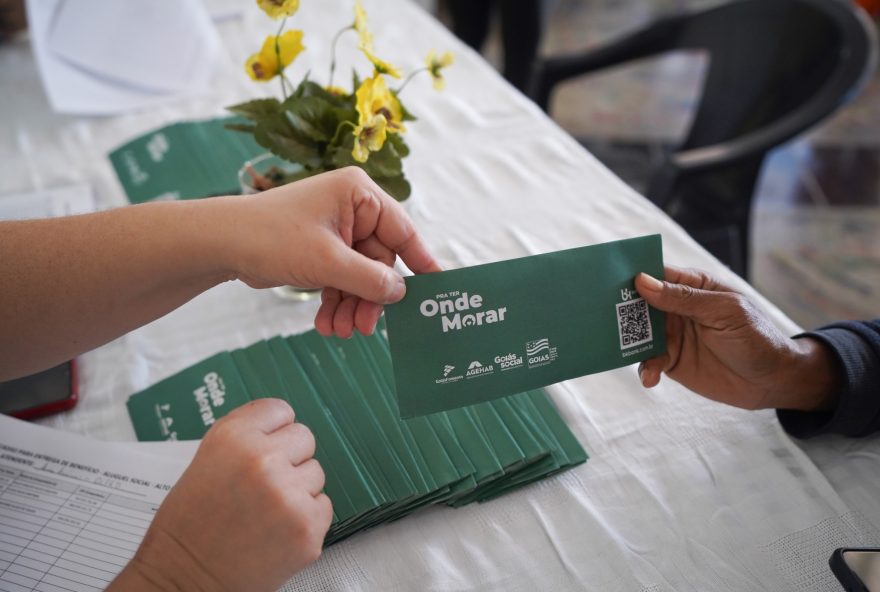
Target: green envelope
[
  {"x": 184, "y": 160},
  {"x": 379, "y": 468},
  {"x": 184, "y": 406},
  {"x": 470, "y": 335}
]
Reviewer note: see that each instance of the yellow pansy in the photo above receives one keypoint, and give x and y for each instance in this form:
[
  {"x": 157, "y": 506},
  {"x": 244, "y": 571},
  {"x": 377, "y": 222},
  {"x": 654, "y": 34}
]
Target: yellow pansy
[
  {"x": 381, "y": 66},
  {"x": 369, "y": 136},
  {"x": 360, "y": 25},
  {"x": 279, "y": 8},
  {"x": 436, "y": 63},
  {"x": 265, "y": 65},
  {"x": 374, "y": 98}
]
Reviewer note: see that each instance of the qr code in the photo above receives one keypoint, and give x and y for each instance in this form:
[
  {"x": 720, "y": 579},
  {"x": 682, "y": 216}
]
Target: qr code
[{"x": 633, "y": 323}]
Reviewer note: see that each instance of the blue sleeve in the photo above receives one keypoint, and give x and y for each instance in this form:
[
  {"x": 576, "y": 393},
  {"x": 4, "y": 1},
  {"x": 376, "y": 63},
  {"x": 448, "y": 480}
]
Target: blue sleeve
[{"x": 856, "y": 344}]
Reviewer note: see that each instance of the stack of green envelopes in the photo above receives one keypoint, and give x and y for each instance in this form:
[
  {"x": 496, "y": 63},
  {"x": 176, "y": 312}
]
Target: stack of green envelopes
[{"x": 379, "y": 468}]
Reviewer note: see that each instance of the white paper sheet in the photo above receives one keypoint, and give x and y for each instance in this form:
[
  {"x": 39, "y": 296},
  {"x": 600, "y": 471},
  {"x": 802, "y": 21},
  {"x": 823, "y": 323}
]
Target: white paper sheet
[
  {"x": 161, "y": 45},
  {"x": 73, "y": 90},
  {"x": 73, "y": 510}
]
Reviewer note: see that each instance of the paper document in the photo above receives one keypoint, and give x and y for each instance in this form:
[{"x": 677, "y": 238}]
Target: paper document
[
  {"x": 470, "y": 335},
  {"x": 73, "y": 510}
]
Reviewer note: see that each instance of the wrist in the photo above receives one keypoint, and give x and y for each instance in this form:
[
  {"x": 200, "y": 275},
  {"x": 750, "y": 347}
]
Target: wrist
[{"x": 812, "y": 377}]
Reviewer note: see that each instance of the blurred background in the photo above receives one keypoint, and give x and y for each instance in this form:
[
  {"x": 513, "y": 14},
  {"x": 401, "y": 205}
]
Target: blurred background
[{"x": 815, "y": 216}]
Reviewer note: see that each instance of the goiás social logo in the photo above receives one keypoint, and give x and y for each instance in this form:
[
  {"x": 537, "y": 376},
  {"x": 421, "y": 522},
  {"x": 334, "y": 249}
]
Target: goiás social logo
[{"x": 458, "y": 310}]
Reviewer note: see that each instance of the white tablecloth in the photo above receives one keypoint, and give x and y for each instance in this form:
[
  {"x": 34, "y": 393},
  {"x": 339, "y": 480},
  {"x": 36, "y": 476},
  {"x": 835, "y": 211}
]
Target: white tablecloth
[{"x": 679, "y": 494}]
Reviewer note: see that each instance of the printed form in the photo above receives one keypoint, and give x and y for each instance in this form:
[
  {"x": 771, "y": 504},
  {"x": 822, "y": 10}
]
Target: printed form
[{"x": 73, "y": 510}]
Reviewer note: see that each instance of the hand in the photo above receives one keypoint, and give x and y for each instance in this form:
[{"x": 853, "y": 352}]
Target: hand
[
  {"x": 720, "y": 346},
  {"x": 247, "y": 514},
  {"x": 338, "y": 231}
]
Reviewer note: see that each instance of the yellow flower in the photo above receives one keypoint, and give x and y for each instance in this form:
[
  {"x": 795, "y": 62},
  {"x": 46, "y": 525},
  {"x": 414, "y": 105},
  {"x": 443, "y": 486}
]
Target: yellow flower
[
  {"x": 381, "y": 66},
  {"x": 369, "y": 136},
  {"x": 360, "y": 25},
  {"x": 436, "y": 63},
  {"x": 374, "y": 98},
  {"x": 279, "y": 8},
  {"x": 336, "y": 90},
  {"x": 265, "y": 65}
]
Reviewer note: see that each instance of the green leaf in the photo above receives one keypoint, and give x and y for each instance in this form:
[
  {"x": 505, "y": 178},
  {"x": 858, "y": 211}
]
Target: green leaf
[
  {"x": 399, "y": 145},
  {"x": 277, "y": 136},
  {"x": 313, "y": 117},
  {"x": 258, "y": 109},
  {"x": 397, "y": 187},
  {"x": 385, "y": 162},
  {"x": 312, "y": 89},
  {"x": 355, "y": 81}
]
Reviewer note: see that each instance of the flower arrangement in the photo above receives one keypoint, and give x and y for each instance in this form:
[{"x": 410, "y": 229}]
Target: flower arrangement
[{"x": 322, "y": 128}]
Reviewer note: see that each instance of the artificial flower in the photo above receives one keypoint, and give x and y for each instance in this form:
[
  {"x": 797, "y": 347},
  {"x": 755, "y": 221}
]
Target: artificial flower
[
  {"x": 374, "y": 98},
  {"x": 436, "y": 63},
  {"x": 279, "y": 8},
  {"x": 369, "y": 136},
  {"x": 381, "y": 66},
  {"x": 265, "y": 65},
  {"x": 360, "y": 25}
]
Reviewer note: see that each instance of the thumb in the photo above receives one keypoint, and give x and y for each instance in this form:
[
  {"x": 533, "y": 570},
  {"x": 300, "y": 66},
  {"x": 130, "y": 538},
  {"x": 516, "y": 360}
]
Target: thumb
[
  {"x": 359, "y": 275},
  {"x": 702, "y": 306}
]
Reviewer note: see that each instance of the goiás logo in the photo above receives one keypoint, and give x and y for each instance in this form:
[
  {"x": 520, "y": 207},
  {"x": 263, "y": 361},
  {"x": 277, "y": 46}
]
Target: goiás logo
[
  {"x": 459, "y": 309},
  {"x": 509, "y": 361},
  {"x": 211, "y": 393},
  {"x": 539, "y": 352},
  {"x": 476, "y": 368}
]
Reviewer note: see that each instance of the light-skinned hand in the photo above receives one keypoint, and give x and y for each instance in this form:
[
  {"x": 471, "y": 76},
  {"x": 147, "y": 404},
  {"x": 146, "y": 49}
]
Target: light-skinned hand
[
  {"x": 338, "y": 231},
  {"x": 247, "y": 514}
]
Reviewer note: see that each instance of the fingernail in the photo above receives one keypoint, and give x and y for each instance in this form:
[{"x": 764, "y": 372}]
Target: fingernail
[
  {"x": 651, "y": 283},
  {"x": 398, "y": 290}
]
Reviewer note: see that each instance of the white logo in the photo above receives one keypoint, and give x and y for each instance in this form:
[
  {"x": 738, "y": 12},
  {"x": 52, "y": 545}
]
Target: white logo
[
  {"x": 477, "y": 369},
  {"x": 451, "y": 305},
  {"x": 540, "y": 352},
  {"x": 157, "y": 147},
  {"x": 509, "y": 361},
  {"x": 447, "y": 369}
]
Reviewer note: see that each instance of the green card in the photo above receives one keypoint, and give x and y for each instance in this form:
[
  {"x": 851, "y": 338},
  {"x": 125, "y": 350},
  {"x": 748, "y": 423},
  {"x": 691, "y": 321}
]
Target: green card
[
  {"x": 185, "y": 405},
  {"x": 183, "y": 161},
  {"x": 469, "y": 335}
]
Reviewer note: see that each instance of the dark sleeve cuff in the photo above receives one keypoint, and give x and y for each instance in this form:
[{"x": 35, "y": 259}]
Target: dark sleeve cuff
[{"x": 858, "y": 408}]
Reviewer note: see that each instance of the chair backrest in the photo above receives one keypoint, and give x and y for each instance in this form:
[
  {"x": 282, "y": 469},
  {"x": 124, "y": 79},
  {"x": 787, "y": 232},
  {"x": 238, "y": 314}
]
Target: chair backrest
[{"x": 776, "y": 67}]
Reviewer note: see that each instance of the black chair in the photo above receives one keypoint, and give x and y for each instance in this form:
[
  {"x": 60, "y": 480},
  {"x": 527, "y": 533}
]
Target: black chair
[{"x": 776, "y": 68}]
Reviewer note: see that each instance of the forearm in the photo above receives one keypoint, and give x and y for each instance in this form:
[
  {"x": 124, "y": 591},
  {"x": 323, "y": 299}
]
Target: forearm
[{"x": 72, "y": 284}]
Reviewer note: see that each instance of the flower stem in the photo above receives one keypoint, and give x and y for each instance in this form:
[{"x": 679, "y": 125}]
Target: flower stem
[
  {"x": 333, "y": 53},
  {"x": 342, "y": 124},
  {"x": 278, "y": 58},
  {"x": 408, "y": 78}
]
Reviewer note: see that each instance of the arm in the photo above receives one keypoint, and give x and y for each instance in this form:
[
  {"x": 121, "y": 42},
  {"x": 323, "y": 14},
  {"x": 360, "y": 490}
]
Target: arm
[
  {"x": 72, "y": 284},
  {"x": 721, "y": 347},
  {"x": 856, "y": 347}
]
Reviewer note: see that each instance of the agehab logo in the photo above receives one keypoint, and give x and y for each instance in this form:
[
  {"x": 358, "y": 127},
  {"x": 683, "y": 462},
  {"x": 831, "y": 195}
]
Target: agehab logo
[
  {"x": 448, "y": 375},
  {"x": 476, "y": 369},
  {"x": 539, "y": 352}
]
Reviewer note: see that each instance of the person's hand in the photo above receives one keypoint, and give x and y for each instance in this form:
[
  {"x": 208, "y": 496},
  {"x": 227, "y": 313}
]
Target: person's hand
[
  {"x": 338, "y": 231},
  {"x": 720, "y": 346},
  {"x": 247, "y": 514}
]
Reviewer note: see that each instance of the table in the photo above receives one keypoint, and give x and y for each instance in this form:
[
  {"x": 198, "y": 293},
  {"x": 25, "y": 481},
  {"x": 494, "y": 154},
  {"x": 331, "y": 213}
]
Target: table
[{"x": 679, "y": 494}]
